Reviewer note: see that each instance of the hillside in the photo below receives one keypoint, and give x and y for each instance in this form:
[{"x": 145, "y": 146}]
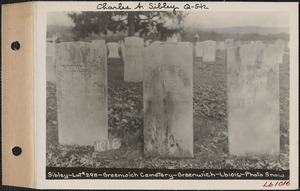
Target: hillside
[{"x": 243, "y": 30}]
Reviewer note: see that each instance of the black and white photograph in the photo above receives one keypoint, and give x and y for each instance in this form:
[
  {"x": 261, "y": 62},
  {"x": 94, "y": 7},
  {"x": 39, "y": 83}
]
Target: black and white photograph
[
  {"x": 158, "y": 90},
  {"x": 167, "y": 94},
  {"x": 150, "y": 95}
]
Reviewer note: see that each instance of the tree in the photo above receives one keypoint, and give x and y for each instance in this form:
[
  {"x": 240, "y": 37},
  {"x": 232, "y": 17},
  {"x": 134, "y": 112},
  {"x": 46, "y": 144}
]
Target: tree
[{"x": 163, "y": 24}]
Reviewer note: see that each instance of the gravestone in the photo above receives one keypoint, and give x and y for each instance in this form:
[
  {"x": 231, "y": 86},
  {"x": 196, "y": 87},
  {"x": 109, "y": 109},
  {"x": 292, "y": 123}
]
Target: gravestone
[
  {"x": 221, "y": 51},
  {"x": 209, "y": 51},
  {"x": 101, "y": 42},
  {"x": 50, "y": 62},
  {"x": 168, "y": 101},
  {"x": 253, "y": 99},
  {"x": 81, "y": 93},
  {"x": 228, "y": 43},
  {"x": 133, "y": 64},
  {"x": 148, "y": 43},
  {"x": 122, "y": 46},
  {"x": 155, "y": 43},
  {"x": 221, "y": 45},
  {"x": 188, "y": 44},
  {"x": 199, "y": 49},
  {"x": 113, "y": 50},
  {"x": 238, "y": 43},
  {"x": 281, "y": 46}
]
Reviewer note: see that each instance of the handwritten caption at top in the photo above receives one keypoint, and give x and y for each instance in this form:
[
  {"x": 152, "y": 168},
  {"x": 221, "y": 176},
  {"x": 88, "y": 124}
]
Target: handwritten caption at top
[{"x": 152, "y": 6}]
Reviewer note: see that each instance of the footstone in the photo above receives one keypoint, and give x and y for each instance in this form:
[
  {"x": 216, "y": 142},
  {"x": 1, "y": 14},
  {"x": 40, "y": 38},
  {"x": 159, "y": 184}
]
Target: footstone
[
  {"x": 168, "y": 101},
  {"x": 253, "y": 99},
  {"x": 133, "y": 64},
  {"x": 81, "y": 93},
  {"x": 113, "y": 50},
  {"x": 199, "y": 49},
  {"x": 209, "y": 51}
]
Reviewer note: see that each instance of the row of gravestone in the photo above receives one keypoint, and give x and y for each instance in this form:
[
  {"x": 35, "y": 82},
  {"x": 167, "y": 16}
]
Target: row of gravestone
[
  {"x": 132, "y": 54},
  {"x": 252, "y": 88}
]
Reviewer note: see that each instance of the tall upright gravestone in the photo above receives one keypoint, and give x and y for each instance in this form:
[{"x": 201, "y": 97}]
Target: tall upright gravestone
[
  {"x": 133, "y": 66},
  {"x": 113, "y": 50},
  {"x": 50, "y": 58},
  {"x": 168, "y": 100},
  {"x": 229, "y": 43},
  {"x": 199, "y": 49},
  {"x": 209, "y": 51},
  {"x": 221, "y": 51},
  {"x": 281, "y": 46},
  {"x": 81, "y": 92},
  {"x": 253, "y": 99}
]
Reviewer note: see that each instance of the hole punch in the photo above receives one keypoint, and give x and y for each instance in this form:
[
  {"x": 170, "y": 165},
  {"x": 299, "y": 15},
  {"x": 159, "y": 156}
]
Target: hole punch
[
  {"x": 15, "y": 46},
  {"x": 17, "y": 151}
]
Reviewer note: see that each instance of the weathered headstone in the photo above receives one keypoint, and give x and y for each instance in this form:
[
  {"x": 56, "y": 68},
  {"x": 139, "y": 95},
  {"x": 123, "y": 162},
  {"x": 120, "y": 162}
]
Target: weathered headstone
[
  {"x": 281, "y": 46},
  {"x": 221, "y": 45},
  {"x": 101, "y": 42},
  {"x": 168, "y": 101},
  {"x": 238, "y": 43},
  {"x": 189, "y": 44},
  {"x": 133, "y": 64},
  {"x": 229, "y": 43},
  {"x": 148, "y": 43},
  {"x": 50, "y": 62},
  {"x": 199, "y": 49},
  {"x": 155, "y": 43},
  {"x": 81, "y": 93},
  {"x": 253, "y": 99},
  {"x": 209, "y": 51},
  {"x": 221, "y": 50},
  {"x": 113, "y": 50}
]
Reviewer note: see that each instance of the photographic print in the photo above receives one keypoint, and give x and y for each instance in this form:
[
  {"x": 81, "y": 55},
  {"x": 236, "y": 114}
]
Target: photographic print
[{"x": 158, "y": 90}]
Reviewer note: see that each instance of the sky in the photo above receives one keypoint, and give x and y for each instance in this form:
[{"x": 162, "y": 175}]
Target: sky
[{"x": 210, "y": 19}]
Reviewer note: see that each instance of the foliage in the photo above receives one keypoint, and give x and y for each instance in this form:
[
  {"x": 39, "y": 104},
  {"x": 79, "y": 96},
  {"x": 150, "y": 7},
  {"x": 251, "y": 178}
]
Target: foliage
[
  {"x": 144, "y": 23},
  {"x": 125, "y": 117}
]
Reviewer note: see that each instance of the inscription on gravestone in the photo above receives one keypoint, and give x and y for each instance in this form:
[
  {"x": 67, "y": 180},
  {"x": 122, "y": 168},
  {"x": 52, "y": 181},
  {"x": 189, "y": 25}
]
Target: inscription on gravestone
[
  {"x": 133, "y": 66},
  {"x": 253, "y": 99},
  {"x": 81, "y": 93},
  {"x": 168, "y": 101},
  {"x": 209, "y": 51}
]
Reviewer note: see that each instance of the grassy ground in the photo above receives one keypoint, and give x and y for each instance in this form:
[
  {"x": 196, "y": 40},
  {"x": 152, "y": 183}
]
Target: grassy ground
[{"x": 210, "y": 126}]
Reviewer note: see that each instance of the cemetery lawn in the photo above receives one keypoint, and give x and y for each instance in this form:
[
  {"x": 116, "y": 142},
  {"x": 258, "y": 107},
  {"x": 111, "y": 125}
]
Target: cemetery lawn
[{"x": 125, "y": 117}]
